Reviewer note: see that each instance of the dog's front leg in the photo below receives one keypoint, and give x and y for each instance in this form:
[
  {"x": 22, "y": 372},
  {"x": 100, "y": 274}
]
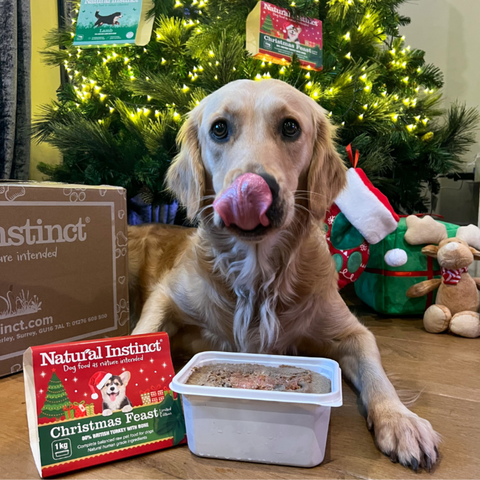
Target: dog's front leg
[
  {"x": 399, "y": 433},
  {"x": 156, "y": 312}
]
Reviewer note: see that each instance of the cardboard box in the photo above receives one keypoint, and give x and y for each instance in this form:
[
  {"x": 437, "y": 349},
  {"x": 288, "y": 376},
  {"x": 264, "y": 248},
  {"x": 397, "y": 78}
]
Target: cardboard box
[
  {"x": 63, "y": 266},
  {"x": 273, "y": 36},
  {"x": 98, "y": 401}
]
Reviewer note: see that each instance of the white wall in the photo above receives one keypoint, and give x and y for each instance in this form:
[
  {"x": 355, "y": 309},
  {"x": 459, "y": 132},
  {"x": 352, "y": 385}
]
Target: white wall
[{"x": 449, "y": 32}]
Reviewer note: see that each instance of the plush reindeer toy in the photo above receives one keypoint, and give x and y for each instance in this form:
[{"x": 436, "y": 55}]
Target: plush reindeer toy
[{"x": 457, "y": 302}]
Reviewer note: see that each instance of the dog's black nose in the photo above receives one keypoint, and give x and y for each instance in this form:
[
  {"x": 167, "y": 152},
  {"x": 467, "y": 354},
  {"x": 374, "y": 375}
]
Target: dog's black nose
[
  {"x": 272, "y": 184},
  {"x": 276, "y": 211}
]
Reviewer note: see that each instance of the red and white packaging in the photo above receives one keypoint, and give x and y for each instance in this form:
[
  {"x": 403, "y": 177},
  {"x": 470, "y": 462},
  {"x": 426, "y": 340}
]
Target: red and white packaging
[
  {"x": 97, "y": 401},
  {"x": 272, "y": 35}
]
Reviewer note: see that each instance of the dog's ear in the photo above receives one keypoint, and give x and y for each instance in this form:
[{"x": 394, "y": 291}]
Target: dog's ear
[
  {"x": 327, "y": 172},
  {"x": 430, "y": 251},
  {"x": 186, "y": 175},
  {"x": 125, "y": 376}
]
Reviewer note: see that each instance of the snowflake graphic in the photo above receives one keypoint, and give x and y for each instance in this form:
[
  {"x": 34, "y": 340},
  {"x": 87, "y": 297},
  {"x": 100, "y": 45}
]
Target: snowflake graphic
[
  {"x": 363, "y": 247},
  {"x": 331, "y": 220}
]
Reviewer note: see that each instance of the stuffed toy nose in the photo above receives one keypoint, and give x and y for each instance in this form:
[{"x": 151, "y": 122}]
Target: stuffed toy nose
[
  {"x": 245, "y": 202},
  {"x": 451, "y": 246}
]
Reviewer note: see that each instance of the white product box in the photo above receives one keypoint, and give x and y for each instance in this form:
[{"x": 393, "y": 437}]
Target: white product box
[{"x": 284, "y": 428}]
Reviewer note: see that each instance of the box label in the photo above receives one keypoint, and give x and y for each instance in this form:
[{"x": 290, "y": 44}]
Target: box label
[
  {"x": 274, "y": 45},
  {"x": 107, "y": 22},
  {"x": 89, "y": 436},
  {"x": 99, "y": 400},
  {"x": 272, "y": 35}
]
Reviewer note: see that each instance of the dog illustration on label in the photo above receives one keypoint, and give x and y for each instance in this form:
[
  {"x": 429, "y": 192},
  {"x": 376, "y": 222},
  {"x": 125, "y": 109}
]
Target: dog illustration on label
[
  {"x": 293, "y": 32},
  {"x": 112, "y": 19},
  {"x": 113, "y": 389}
]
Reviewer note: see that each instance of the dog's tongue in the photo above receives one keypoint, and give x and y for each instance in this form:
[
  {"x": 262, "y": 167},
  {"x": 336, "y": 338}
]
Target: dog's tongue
[
  {"x": 112, "y": 396},
  {"x": 245, "y": 202}
]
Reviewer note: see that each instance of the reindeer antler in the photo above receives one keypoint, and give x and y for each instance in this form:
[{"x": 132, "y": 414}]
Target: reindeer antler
[
  {"x": 470, "y": 234},
  {"x": 421, "y": 231}
]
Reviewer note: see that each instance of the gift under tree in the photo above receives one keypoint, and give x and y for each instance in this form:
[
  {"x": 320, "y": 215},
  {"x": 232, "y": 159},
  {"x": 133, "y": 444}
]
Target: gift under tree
[{"x": 383, "y": 284}]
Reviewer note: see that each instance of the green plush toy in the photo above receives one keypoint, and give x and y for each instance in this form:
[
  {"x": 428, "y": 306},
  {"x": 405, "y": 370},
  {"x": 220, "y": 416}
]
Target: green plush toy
[{"x": 384, "y": 283}]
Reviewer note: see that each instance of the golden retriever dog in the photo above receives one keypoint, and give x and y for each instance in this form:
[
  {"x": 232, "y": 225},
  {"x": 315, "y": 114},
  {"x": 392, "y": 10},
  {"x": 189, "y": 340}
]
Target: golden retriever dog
[{"x": 257, "y": 167}]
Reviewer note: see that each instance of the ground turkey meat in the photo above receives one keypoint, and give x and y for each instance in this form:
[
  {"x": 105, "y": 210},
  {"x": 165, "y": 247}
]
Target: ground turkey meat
[{"x": 259, "y": 377}]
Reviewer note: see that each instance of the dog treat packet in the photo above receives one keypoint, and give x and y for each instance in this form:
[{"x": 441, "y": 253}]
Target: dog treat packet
[
  {"x": 273, "y": 36},
  {"x": 96, "y": 401},
  {"x": 118, "y": 22}
]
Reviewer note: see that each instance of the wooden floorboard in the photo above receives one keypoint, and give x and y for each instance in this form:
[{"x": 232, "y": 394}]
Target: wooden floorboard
[{"x": 444, "y": 368}]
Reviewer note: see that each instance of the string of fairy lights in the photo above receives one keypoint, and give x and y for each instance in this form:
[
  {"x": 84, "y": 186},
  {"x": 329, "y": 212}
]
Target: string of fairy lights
[{"x": 367, "y": 97}]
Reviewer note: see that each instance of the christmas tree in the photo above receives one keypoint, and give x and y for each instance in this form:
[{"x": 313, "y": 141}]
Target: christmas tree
[
  {"x": 55, "y": 399},
  {"x": 267, "y": 24},
  {"x": 116, "y": 120}
]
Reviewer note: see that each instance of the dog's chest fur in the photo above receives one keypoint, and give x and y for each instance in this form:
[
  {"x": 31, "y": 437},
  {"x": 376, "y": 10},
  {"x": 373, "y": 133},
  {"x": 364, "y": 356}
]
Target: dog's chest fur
[{"x": 254, "y": 293}]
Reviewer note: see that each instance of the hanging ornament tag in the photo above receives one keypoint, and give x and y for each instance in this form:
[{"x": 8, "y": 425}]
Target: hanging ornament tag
[
  {"x": 97, "y": 401},
  {"x": 113, "y": 22},
  {"x": 273, "y": 36}
]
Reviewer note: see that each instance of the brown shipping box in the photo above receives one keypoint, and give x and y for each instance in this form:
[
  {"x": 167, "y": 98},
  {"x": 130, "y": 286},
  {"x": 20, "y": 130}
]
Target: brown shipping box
[{"x": 63, "y": 266}]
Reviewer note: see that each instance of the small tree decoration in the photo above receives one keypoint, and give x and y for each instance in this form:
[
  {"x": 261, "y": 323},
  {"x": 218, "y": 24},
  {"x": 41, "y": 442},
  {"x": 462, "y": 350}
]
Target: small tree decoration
[
  {"x": 55, "y": 400},
  {"x": 267, "y": 26}
]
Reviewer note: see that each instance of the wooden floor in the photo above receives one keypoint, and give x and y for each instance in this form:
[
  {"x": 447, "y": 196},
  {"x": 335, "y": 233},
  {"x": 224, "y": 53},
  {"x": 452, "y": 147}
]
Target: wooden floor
[{"x": 445, "y": 368}]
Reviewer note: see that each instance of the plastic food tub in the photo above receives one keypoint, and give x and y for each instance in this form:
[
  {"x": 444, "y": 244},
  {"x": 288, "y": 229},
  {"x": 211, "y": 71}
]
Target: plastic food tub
[{"x": 284, "y": 428}]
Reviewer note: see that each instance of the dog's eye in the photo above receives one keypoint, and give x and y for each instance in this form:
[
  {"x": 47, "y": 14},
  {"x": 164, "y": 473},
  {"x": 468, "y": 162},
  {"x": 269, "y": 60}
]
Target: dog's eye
[
  {"x": 220, "y": 130},
  {"x": 290, "y": 128}
]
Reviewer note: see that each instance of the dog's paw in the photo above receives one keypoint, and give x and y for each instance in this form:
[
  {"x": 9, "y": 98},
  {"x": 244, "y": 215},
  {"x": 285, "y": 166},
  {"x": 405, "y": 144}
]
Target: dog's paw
[
  {"x": 127, "y": 408},
  {"x": 107, "y": 412},
  {"x": 405, "y": 437}
]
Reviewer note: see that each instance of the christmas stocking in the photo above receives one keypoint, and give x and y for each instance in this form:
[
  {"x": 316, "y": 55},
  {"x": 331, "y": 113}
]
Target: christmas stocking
[{"x": 361, "y": 215}]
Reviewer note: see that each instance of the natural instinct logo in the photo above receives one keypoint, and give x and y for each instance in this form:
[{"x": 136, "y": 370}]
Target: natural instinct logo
[
  {"x": 286, "y": 13},
  {"x": 43, "y": 234},
  {"x": 57, "y": 358}
]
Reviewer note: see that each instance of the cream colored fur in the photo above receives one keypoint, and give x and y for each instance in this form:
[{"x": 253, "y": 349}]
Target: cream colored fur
[{"x": 277, "y": 294}]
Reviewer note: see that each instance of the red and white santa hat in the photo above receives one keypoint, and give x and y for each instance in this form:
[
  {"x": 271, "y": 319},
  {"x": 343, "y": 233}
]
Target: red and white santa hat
[
  {"x": 288, "y": 26},
  {"x": 366, "y": 207},
  {"x": 98, "y": 380}
]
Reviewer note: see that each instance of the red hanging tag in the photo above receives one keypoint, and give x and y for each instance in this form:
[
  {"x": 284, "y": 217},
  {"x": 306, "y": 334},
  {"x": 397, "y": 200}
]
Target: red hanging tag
[{"x": 350, "y": 155}]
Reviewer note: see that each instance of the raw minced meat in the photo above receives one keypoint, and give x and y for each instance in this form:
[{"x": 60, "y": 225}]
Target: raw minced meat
[{"x": 284, "y": 378}]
